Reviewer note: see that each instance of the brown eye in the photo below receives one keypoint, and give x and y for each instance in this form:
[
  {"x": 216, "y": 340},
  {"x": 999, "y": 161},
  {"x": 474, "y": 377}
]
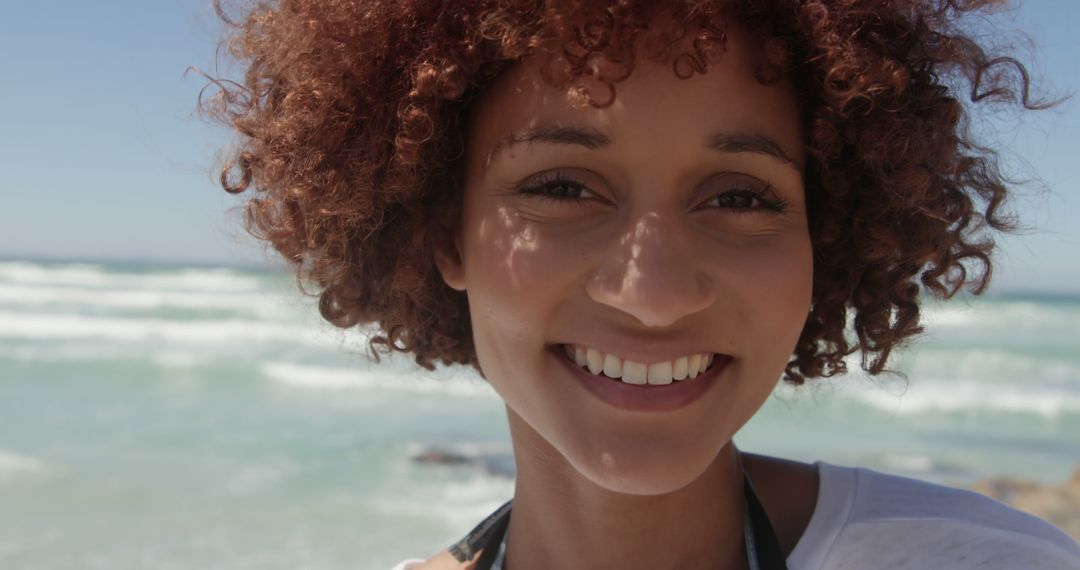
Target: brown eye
[
  {"x": 557, "y": 187},
  {"x": 743, "y": 194},
  {"x": 740, "y": 200},
  {"x": 562, "y": 189}
]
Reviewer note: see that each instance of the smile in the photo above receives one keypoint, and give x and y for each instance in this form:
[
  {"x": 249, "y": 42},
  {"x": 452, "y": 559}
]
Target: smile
[
  {"x": 659, "y": 392},
  {"x": 638, "y": 373}
]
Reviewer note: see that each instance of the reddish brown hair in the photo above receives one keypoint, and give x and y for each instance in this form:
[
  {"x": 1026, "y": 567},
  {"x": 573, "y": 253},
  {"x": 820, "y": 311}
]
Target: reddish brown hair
[{"x": 351, "y": 117}]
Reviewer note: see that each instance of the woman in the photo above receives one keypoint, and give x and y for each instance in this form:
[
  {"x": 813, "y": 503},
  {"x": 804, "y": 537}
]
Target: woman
[{"x": 633, "y": 219}]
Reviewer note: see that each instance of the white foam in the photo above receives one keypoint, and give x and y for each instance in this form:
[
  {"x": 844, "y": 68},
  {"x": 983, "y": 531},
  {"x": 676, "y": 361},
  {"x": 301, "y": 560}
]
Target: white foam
[
  {"x": 316, "y": 376},
  {"x": 927, "y": 395},
  {"x": 337, "y": 378},
  {"x": 998, "y": 365},
  {"x": 96, "y": 276},
  {"x": 93, "y": 352},
  {"x": 67, "y": 351},
  {"x": 956, "y": 380},
  {"x": 264, "y": 305},
  {"x": 203, "y": 332},
  {"x": 995, "y": 317},
  {"x": 13, "y": 464},
  {"x": 949, "y": 316}
]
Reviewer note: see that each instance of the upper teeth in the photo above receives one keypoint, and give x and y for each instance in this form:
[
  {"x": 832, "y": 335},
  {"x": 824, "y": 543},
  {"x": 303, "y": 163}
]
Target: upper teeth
[{"x": 631, "y": 372}]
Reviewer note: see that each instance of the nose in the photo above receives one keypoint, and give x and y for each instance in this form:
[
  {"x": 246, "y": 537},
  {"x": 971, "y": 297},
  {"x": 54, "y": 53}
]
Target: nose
[{"x": 653, "y": 275}]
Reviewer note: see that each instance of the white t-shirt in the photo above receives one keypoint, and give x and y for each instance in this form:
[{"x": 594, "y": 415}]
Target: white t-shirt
[{"x": 868, "y": 520}]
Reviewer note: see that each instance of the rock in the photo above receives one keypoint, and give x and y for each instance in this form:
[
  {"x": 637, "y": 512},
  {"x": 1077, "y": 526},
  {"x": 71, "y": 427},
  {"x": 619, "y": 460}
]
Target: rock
[
  {"x": 496, "y": 464},
  {"x": 1057, "y": 504},
  {"x": 441, "y": 458}
]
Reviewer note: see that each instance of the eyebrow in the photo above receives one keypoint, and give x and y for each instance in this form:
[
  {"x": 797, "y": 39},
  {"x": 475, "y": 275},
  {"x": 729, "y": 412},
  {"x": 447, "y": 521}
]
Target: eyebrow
[{"x": 593, "y": 139}]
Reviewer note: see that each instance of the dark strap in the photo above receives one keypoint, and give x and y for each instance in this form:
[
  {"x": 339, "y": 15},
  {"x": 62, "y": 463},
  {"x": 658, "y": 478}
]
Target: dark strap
[
  {"x": 763, "y": 550},
  {"x": 491, "y": 549},
  {"x": 762, "y": 547},
  {"x": 489, "y": 532}
]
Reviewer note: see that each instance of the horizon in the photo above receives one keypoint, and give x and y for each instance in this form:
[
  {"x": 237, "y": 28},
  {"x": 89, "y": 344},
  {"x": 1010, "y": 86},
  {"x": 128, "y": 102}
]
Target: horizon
[{"x": 105, "y": 158}]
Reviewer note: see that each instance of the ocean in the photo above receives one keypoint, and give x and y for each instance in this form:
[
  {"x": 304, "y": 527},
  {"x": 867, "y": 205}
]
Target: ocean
[{"x": 182, "y": 418}]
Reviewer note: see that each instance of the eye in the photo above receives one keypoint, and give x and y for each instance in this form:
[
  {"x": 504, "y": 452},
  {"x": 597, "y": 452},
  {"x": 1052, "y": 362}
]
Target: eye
[
  {"x": 557, "y": 187},
  {"x": 740, "y": 193},
  {"x": 736, "y": 200}
]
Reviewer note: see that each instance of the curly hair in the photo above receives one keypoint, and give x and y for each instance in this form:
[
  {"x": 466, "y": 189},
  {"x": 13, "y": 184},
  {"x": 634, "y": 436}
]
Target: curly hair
[{"x": 351, "y": 117}]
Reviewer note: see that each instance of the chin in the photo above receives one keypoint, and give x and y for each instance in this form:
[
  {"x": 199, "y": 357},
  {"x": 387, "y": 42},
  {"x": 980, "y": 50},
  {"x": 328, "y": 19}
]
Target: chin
[{"x": 636, "y": 471}]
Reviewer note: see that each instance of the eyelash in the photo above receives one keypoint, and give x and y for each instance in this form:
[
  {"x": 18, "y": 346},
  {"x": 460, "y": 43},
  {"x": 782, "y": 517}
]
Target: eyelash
[
  {"x": 542, "y": 186},
  {"x": 541, "y": 189}
]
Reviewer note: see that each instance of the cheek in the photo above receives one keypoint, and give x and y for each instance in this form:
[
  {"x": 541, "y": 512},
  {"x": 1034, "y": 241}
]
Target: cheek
[
  {"x": 773, "y": 286},
  {"x": 516, "y": 278}
]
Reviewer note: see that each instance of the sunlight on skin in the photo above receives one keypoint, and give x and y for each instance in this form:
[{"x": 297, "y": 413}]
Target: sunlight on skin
[
  {"x": 680, "y": 292},
  {"x": 645, "y": 265},
  {"x": 523, "y": 243},
  {"x": 641, "y": 255}
]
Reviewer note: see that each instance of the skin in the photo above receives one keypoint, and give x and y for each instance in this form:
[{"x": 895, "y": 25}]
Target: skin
[{"x": 665, "y": 252}]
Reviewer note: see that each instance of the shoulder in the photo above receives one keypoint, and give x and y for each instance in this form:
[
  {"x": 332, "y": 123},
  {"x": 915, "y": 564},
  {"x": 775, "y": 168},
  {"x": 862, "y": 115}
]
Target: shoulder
[{"x": 890, "y": 521}]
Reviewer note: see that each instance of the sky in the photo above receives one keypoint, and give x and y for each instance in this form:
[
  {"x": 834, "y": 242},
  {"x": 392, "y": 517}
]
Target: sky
[{"x": 102, "y": 156}]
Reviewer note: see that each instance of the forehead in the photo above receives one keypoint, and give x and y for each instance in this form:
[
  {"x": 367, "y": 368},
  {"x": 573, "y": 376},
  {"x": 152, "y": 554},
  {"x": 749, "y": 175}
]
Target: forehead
[{"x": 652, "y": 107}]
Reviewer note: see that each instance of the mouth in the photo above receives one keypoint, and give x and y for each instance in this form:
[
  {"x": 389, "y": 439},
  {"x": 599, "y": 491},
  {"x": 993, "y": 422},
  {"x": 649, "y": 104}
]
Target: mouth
[
  {"x": 629, "y": 371},
  {"x": 637, "y": 386}
]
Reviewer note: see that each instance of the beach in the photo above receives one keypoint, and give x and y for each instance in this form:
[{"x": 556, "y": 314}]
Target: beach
[
  {"x": 180, "y": 417},
  {"x": 1058, "y": 504}
]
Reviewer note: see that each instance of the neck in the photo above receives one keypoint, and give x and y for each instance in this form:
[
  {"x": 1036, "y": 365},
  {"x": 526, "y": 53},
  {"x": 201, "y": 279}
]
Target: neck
[{"x": 563, "y": 520}]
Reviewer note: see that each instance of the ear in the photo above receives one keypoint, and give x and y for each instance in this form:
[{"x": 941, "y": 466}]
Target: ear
[{"x": 451, "y": 265}]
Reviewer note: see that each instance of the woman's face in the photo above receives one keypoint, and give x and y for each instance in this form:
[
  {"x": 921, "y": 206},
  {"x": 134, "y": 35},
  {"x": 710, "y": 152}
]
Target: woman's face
[{"x": 669, "y": 225}]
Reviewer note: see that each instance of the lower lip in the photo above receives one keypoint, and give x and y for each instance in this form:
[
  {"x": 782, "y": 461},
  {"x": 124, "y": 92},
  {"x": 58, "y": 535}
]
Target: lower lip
[{"x": 646, "y": 398}]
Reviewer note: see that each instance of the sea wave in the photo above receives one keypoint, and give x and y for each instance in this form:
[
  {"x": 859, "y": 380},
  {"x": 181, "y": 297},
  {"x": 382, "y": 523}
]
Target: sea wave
[
  {"x": 260, "y": 304},
  {"x": 1007, "y": 365},
  {"x": 94, "y": 353},
  {"x": 453, "y": 382},
  {"x": 458, "y": 503},
  {"x": 101, "y": 277},
  {"x": 68, "y": 351},
  {"x": 202, "y": 332},
  {"x": 962, "y": 395},
  {"x": 13, "y": 464},
  {"x": 994, "y": 317},
  {"x": 1047, "y": 389}
]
